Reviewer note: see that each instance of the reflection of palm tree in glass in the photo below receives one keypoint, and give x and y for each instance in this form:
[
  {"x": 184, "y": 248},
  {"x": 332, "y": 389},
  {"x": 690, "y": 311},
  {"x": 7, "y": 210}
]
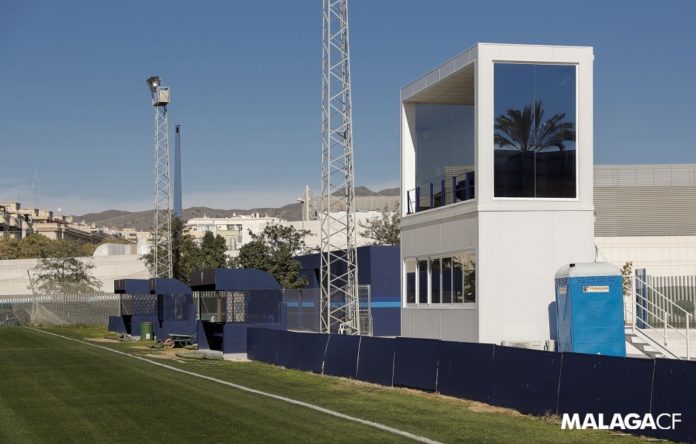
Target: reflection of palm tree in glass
[
  {"x": 465, "y": 266},
  {"x": 525, "y": 130}
]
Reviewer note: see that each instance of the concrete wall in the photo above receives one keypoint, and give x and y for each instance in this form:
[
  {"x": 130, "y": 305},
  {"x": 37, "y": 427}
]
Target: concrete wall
[
  {"x": 14, "y": 279},
  {"x": 660, "y": 255},
  {"x": 519, "y": 254},
  {"x": 449, "y": 324}
]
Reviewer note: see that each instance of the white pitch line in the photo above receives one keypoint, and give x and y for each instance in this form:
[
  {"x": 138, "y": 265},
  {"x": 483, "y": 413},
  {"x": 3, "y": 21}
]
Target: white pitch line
[{"x": 257, "y": 392}]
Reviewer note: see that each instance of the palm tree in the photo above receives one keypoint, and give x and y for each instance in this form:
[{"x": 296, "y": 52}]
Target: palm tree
[{"x": 525, "y": 131}]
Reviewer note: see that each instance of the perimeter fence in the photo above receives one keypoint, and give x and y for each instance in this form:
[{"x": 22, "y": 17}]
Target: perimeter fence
[{"x": 65, "y": 309}]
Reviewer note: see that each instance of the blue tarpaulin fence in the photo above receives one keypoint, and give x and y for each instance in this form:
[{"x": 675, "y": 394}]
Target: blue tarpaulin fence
[{"x": 531, "y": 381}]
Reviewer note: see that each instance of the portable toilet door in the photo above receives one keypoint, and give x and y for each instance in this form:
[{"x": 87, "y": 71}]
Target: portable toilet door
[{"x": 590, "y": 311}]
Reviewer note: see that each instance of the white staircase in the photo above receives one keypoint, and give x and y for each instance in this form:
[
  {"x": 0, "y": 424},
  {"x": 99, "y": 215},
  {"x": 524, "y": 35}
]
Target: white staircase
[{"x": 655, "y": 326}]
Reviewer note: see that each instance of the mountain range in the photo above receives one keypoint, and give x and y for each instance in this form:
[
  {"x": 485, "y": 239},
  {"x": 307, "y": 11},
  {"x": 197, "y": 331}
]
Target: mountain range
[{"x": 142, "y": 220}]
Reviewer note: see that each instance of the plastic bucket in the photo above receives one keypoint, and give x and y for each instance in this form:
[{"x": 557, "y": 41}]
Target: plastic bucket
[{"x": 146, "y": 331}]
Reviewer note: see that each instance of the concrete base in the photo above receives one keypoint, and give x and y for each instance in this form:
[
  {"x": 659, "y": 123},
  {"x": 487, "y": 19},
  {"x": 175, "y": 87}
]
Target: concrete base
[{"x": 242, "y": 357}]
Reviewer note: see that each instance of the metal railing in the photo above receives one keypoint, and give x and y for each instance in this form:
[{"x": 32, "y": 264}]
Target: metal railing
[
  {"x": 679, "y": 289},
  {"x": 652, "y": 316},
  {"x": 441, "y": 191}
]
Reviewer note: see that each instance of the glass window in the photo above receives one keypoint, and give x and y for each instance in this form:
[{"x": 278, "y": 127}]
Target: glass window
[
  {"x": 470, "y": 278},
  {"x": 435, "y": 281},
  {"x": 446, "y": 280},
  {"x": 535, "y": 130},
  {"x": 410, "y": 265},
  {"x": 444, "y": 152},
  {"x": 423, "y": 281},
  {"x": 449, "y": 279},
  {"x": 457, "y": 279}
]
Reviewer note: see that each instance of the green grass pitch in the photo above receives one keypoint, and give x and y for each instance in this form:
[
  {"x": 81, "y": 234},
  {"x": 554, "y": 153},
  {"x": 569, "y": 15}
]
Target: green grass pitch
[{"x": 55, "y": 390}]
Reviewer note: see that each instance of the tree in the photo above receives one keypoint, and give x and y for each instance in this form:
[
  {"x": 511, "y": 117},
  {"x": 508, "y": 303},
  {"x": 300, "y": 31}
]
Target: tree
[
  {"x": 383, "y": 229},
  {"x": 188, "y": 257},
  {"x": 212, "y": 252},
  {"x": 149, "y": 258},
  {"x": 185, "y": 252},
  {"x": 253, "y": 255},
  {"x": 64, "y": 273},
  {"x": 526, "y": 131},
  {"x": 39, "y": 246},
  {"x": 627, "y": 278},
  {"x": 273, "y": 250},
  {"x": 9, "y": 249}
]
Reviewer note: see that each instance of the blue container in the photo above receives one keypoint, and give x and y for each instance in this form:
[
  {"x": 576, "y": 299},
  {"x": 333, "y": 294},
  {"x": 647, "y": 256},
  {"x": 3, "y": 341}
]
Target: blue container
[{"x": 589, "y": 309}]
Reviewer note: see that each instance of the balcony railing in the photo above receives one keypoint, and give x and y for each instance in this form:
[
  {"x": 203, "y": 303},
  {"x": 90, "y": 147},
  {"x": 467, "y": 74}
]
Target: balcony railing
[{"x": 440, "y": 192}]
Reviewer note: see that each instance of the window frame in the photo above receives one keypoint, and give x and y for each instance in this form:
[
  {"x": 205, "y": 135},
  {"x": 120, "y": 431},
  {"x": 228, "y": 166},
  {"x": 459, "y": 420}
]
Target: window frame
[{"x": 429, "y": 258}]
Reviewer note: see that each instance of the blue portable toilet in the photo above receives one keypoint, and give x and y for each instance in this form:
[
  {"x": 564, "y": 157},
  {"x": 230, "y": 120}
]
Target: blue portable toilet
[{"x": 589, "y": 309}]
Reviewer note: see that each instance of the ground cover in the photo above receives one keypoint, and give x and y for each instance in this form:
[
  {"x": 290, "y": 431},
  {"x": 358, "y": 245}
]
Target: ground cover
[{"x": 55, "y": 390}]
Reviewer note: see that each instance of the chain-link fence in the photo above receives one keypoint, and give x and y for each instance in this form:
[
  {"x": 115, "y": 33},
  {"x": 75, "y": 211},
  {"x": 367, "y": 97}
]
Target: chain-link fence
[
  {"x": 304, "y": 307},
  {"x": 78, "y": 309},
  {"x": 256, "y": 306},
  {"x": 251, "y": 306},
  {"x": 137, "y": 304}
]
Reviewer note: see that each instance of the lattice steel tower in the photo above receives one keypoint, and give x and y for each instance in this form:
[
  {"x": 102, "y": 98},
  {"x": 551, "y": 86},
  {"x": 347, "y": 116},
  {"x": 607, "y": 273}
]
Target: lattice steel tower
[
  {"x": 162, "y": 234},
  {"x": 339, "y": 271}
]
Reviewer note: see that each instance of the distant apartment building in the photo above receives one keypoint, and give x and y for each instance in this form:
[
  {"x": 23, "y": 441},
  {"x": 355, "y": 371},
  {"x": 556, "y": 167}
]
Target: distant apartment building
[
  {"x": 17, "y": 222},
  {"x": 14, "y": 222},
  {"x": 234, "y": 229},
  {"x": 129, "y": 234},
  {"x": 237, "y": 229}
]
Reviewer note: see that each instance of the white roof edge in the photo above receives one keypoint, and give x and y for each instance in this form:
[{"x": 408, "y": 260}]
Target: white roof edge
[
  {"x": 536, "y": 45},
  {"x": 410, "y": 89},
  {"x": 442, "y": 71}
]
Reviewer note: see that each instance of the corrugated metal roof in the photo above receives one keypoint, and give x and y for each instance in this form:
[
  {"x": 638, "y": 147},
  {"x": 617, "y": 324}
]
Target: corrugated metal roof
[{"x": 645, "y": 200}]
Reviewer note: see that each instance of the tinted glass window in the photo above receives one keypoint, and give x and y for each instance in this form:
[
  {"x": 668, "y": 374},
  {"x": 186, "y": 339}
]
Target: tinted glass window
[
  {"x": 535, "y": 130},
  {"x": 469, "y": 278},
  {"x": 446, "y": 280},
  {"x": 410, "y": 281},
  {"x": 423, "y": 282},
  {"x": 444, "y": 142},
  {"x": 435, "y": 281}
]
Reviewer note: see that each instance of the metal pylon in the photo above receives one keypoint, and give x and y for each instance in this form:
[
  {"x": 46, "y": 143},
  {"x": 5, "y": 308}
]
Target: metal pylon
[
  {"x": 339, "y": 267},
  {"x": 162, "y": 235}
]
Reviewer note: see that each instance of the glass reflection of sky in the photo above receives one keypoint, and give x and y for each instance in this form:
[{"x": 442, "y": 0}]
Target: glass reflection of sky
[
  {"x": 444, "y": 138},
  {"x": 520, "y": 85}
]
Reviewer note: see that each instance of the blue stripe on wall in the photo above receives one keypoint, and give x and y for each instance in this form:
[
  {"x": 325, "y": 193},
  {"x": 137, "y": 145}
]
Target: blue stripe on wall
[{"x": 375, "y": 304}]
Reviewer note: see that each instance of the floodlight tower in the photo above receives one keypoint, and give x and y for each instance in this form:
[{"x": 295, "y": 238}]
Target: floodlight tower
[
  {"x": 339, "y": 261},
  {"x": 162, "y": 234}
]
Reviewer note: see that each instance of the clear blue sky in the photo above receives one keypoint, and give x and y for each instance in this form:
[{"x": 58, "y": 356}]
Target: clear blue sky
[{"x": 245, "y": 80}]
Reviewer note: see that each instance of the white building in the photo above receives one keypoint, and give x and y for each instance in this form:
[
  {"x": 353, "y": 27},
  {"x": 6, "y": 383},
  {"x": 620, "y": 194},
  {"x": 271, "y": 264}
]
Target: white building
[
  {"x": 497, "y": 190},
  {"x": 236, "y": 229},
  {"x": 646, "y": 214}
]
